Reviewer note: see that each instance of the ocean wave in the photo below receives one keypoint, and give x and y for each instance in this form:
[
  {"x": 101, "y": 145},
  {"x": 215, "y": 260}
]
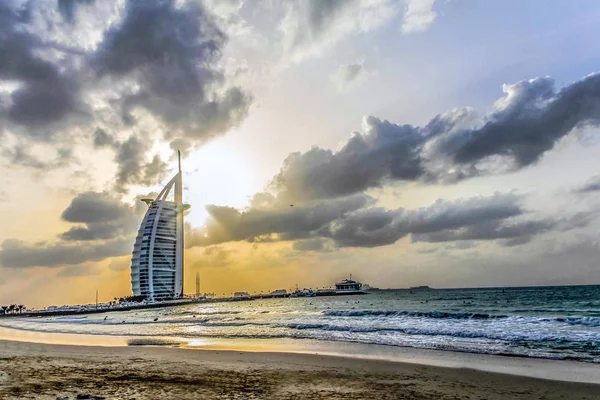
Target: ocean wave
[
  {"x": 234, "y": 324},
  {"x": 585, "y": 321},
  {"x": 426, "y": 314},
  {"x": 209, "y": 312},
  {"x": 509, "y": 336},
  {"x": 515, "y": 344},
  {"x": 333, "y": 328}
]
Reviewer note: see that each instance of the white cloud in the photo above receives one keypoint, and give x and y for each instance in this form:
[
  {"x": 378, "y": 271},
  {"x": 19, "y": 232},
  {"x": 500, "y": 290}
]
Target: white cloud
[{"x": 418, "y": 15}]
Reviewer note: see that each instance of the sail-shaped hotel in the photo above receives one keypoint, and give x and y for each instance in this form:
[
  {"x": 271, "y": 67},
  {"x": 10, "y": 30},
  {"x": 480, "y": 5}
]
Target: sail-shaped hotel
[{"x": 157, "y": 259}]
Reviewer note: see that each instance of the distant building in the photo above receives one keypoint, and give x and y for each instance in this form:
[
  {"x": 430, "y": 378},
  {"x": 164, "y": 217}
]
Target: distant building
[
  {"x": 157, "y": 259},
  {"x": 279, "y": 292}
]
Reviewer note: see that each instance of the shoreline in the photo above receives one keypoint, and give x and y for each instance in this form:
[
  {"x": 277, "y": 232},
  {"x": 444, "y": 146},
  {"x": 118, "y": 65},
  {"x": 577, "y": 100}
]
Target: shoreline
[
  {"x": 103, "y": 308},
  {"x": 50, "y": 371},
  {"x": 106, "y": 309},
  {"x": 527, "y": 367}
]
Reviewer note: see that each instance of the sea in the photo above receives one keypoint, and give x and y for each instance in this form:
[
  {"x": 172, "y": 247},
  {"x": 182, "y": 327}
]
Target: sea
[{"x": 561, "y": 322}]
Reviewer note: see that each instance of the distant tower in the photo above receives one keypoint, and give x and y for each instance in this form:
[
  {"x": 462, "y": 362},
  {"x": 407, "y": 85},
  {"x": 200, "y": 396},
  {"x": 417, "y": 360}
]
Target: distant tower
[
  {"x": 157, "y": 259},
  {"x": 197, "y": 284}
]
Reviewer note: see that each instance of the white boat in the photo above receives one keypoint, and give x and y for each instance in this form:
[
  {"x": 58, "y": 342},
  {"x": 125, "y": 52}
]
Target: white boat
[{"x": 348, "y": 286}]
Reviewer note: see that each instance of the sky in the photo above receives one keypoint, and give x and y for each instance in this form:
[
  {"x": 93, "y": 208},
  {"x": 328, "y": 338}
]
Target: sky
[{"x": 449, "y": 143}]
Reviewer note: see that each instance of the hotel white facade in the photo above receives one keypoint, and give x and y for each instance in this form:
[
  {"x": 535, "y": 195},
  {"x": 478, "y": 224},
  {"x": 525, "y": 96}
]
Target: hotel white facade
[{"x": 157, "y": 259}]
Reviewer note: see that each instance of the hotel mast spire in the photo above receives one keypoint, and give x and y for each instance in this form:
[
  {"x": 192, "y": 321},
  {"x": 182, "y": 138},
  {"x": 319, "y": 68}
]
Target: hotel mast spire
[
  {"x": 178, "y": 181},
  {"x": 180, "y": 226}
]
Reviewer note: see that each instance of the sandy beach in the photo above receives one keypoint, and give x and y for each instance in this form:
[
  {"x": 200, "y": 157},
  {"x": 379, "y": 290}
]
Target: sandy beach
[{"x": 54, "y": 371}]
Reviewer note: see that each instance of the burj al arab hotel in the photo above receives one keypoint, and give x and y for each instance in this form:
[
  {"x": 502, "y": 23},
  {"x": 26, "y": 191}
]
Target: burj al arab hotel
[{"x": 157, "y": 259}]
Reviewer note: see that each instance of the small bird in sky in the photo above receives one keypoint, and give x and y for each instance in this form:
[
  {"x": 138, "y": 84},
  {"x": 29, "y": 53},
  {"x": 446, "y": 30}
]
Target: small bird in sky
[{"x": 291, "y": 205}]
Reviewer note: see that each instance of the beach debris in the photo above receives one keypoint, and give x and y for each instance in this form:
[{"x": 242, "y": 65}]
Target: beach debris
[{"x": 155, "y": 319}]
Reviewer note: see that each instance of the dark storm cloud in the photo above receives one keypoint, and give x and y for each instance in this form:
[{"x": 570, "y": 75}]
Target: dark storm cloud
[
  {"x": 530, "y": 119},
  {"x": 354, "y": 222},
  {"x": 94, "y": 207},
  {"x": 103, "y": 139},
  {"x": 39, "y": 103},
  {"x": 171, "y": 52},
  {"x": 229, "y": 224},
  {"x": 362, "y": 163},
  {"x": 45, "y": 93},
  {"x": 518, "y": 232},
  {"x": 18, "y": 254},
  {"x": 92, "y": 231},
  {"x": 133, "y": 169},
  {"x": 378, "y": 227},
  {"x": 525, "y": 124},
  {"x": 103, "y": 216},
  {"x": 131, "y": 157},
  {"x": 514, "y": 232},
  {"x": 161, "y": 56},
  {"x": 105, "y": 227}
]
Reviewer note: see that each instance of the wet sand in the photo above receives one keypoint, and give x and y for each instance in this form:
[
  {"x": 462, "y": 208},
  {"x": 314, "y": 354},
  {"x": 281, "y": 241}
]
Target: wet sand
[{"x": 52, "y": 371}]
